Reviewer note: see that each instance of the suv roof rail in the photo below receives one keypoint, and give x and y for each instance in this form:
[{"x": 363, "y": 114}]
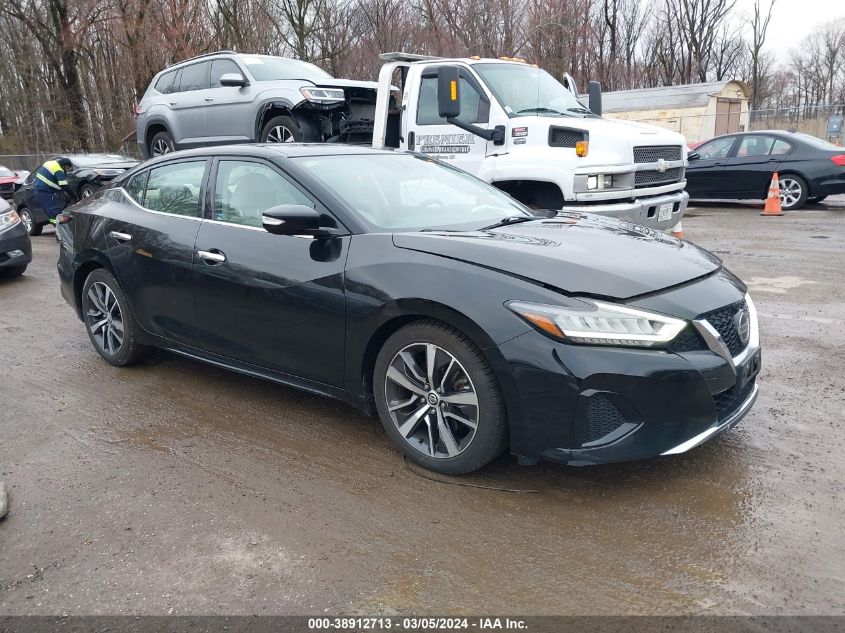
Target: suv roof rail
[
  {"x": 399, "y": 56},
  {"x": 190, "y": 59}
]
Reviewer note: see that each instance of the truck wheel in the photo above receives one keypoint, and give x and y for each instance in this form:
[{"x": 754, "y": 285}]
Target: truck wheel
[
  {"x": 161, "y": 144},
  {"x": 281, "y": 129},
  {"x": 31, "y": 226}
]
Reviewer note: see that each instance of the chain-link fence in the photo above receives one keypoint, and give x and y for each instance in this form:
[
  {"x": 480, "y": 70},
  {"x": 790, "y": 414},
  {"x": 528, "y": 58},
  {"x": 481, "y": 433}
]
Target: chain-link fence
[
  {"x": 823, "y": 121},
  {"x": 27, "y": 162}
]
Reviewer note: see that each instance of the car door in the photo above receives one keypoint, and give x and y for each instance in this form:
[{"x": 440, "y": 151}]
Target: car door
[
  {"x": 228, "y": 116},
  {"x": 151, "y": 240},
  {"x": 271, "y": 301},
  {"x": 428, "y": 133},
  {"x": 706, "y": 166},
  {"x": 188, "y": 104},
  {"x": 749, "y": 170}
]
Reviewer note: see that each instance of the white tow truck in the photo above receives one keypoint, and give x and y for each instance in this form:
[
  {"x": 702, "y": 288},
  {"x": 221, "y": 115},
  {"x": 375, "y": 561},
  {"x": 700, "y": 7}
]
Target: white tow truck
[{"x": 517, "y": 127}]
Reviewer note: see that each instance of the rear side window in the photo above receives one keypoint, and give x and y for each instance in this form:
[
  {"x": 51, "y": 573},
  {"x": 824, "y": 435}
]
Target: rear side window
[
  {"x": 165, "y": 83},
  {"x": 136, "y": 185},
  {"x": 220, "y": 67},
  {"x": 175, "y": 188},
  {"x": 781, "y": 147},
  {"x": 755, "y": 145},
  {"x": 194, "y": 77}
]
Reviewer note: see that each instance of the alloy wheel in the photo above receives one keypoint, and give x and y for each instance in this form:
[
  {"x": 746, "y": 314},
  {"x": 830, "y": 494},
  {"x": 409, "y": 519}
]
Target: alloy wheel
[
  {"x": 790, "y": 191},
  {"x": 87, "y": 192},
  {"x": 279, "y": 134},
  {"x": 432, "y": 401},
  {"x": 26, "y": 218},
  {"x": 161, "y": 147},
  {"x": 104, "y": 319}
]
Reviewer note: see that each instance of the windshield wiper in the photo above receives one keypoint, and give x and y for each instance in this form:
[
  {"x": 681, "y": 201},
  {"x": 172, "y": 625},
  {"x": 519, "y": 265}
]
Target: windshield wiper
[
  {"x": 528, "y": 110},
  {"x": 581, "y": 110},
  {"x": 511, "y": 219}
]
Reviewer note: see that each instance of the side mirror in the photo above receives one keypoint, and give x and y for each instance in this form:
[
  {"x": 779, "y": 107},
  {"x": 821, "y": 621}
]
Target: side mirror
[
  {"x": 295, "y": 219},
  {"x": 448, "y": 92},
  {"x": 595, "y": 97},
  {"x": 694, "y": 156},
  {"x": 233, "y": 79}
]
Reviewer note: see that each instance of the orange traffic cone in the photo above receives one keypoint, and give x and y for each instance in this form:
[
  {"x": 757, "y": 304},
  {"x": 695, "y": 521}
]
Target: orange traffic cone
[
  {"x": 773, "y": 200},
  {"x": 678, "y": 231}
]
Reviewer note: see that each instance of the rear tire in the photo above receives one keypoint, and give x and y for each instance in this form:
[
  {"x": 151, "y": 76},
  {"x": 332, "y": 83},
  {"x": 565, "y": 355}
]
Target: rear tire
[
  {"x": 281, "y": 129},
  {"x": 161, "y": 144},
  {"x": 793, "y": 192},
  {"x": 32, "y": 227},
  {"x": 452, "y": 401},
  {"x": 109, "y": 322}
]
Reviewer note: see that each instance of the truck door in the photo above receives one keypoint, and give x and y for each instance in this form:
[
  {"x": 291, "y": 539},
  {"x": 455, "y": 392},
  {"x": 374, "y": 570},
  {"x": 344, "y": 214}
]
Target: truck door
[{"x": 427, "y": 133}]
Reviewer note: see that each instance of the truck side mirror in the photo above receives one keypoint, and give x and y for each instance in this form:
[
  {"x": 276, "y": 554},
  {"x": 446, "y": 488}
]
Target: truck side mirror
[
  {"x": 448, "y": 92},
  {"x": 595, "y": 97}
]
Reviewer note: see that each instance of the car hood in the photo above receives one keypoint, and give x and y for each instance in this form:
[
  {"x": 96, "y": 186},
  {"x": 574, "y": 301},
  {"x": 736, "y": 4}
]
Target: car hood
[
  {"x": 113, "y": 165},
  {"x": 344, "y": 83},
  {"x": 4, "y": 180},
  {"x": 576, "y": 253}
]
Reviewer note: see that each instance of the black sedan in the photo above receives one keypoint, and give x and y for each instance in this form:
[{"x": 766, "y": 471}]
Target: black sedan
[
  {"x": 90, "y": 172},
  {"x": 15, "y": 248},
  {"x": 420, "y": 294},
  {"x": 740, "y": 167}
]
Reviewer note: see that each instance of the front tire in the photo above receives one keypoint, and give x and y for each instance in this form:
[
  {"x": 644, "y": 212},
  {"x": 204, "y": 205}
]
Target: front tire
[
  {"x": 281, "y": 129},
  {"x": 32, "y": 227},
  {"x": 86, "y": 191},
  {"x": 793, "y": 192},
  {"x": 438, "y": 399},
  {"x": 109, "y": 322}
]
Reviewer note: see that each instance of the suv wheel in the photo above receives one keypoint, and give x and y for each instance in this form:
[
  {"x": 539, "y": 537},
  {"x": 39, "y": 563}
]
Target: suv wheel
[
  {"x": 281, "y": 129},
  {"x": 29, "y": 224},
  {"x": 161, "y": 144},
  {"x": 438, "y": 399}
]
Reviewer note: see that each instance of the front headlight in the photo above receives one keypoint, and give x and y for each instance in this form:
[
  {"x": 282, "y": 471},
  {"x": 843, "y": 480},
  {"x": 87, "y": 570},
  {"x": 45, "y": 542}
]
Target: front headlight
[
  {"x": 599, "y": 323},
  {"x": 109, "y": 172},
  {"x": 323, "y": 95},
  {"x": 9, "y": 219}
]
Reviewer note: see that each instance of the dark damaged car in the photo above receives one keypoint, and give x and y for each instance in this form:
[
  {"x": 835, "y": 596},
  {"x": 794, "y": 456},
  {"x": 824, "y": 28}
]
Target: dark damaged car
[
  {"x": 227, "y": 97},
  {"x": 420, "y": 294},
  {"x": 15, "y": 247}
]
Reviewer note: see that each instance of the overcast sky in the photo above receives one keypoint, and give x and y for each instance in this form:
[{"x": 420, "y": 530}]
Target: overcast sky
[{"x": 793, "y": 20}]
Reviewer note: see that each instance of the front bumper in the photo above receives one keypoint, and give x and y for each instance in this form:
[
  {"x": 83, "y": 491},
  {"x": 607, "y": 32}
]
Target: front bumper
[
  {"x": 643, "y": 211},
  {"x": 15, "y": 247},
  {"x": 581, "y": 404}
]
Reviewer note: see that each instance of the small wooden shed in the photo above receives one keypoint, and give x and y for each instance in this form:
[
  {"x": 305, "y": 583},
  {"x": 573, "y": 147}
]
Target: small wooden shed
[{"x": 698, "y": 111}]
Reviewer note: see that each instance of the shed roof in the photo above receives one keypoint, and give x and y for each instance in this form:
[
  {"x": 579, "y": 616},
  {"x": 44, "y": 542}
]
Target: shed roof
[{"x": 665, "y": 97}]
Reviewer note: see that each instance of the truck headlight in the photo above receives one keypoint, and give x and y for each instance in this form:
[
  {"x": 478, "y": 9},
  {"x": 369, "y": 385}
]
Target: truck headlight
[
  {"x": 9, "y": 219},
  {"x": 600, "y": 323},
  {"x": 600, "y": 181},
  {"x": 323, "y": 95}
]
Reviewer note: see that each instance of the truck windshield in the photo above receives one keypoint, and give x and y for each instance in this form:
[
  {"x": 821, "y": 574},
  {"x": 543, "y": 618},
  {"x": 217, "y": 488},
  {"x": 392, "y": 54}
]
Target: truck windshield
[
  {"x": 525, "y": 90},
  {"x": 403, "y": 192},
  {"x": 275, "y": 68}
]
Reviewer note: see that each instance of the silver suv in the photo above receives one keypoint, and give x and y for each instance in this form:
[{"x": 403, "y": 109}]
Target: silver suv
[{"x": 228, "y": 97}]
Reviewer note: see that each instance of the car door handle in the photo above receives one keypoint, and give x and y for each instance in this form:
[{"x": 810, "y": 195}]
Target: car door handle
[
  {"x": 212, "y": 257},
  {"x": 173, "y": 103},
  {"x": 209, "y": 98},
  {"x": 120, "y": 237}
]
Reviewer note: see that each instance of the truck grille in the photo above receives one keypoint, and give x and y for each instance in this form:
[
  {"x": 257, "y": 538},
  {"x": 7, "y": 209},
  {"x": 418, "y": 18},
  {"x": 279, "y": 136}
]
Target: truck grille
[
  {"x": 653, "y": 153},
  {"x": 723, "y": 321},
  {"x": 652, "y": 177},
  {"x": 563, "y": 137}
]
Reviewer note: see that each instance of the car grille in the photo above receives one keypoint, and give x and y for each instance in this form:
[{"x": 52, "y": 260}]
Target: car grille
[
  {"x": 723, "y": 321},
  {"x": 729, "y": 401},
  {"x": 689, "y": 340},
  {"x": 603, "y": 418},
  {"x": 651, "y": 154},
  {"x": 563, "y": 137},
  {"x": 652, "y": 177}
]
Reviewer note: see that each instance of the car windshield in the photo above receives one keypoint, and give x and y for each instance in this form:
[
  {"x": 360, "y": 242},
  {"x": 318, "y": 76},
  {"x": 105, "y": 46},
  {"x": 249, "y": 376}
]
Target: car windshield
[
  {"x": 525, "y": 90},
  {"x": 275, "y": 68},
  {"x": 92, "y": 160},
  {"x": 5, "y": 172},
  {"x": 403, "y": 192},
  {"x": 817, "y": 142}
]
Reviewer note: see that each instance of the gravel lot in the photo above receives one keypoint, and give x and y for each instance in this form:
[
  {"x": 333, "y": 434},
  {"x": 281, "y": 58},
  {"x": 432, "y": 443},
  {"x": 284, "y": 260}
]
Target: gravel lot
[{"x": 176, "y": 487}]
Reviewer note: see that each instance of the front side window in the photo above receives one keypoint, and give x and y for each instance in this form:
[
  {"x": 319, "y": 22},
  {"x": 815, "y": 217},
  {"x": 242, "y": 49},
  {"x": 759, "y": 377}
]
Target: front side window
[
  {"x": 175, "y": 188},
  {"x": 245, "y": 190},
  {"x": 220, "y": 67},
  {"x": 194, "y": 77},
  {"x": 717, "y": 148},
  {"x": 406, "y": 192},
  {"x": 428, "y": 112},
  {"x": 276, "y": 68}
]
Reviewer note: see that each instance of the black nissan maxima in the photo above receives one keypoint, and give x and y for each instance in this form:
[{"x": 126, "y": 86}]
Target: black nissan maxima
[{"x": 468, "y": 324}]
